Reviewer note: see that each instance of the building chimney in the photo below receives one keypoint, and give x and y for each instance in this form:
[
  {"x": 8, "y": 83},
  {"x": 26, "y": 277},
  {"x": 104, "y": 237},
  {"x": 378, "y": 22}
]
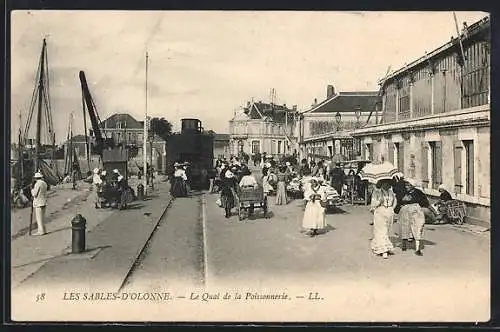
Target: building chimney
[{"x": 330, "y": 91}]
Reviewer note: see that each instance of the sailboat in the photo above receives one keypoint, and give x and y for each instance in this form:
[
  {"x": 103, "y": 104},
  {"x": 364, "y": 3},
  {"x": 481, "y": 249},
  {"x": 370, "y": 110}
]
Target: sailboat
[
  {"x": 34, "y": 156},
  {"x": 71, "y": 159}
]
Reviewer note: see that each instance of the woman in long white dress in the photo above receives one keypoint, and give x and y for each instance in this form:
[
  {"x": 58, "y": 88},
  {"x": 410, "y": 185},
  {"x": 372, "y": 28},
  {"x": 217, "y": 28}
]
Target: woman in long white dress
[
  {"x": 314, "y": 213},
  {"x": 382, "y": 206}
]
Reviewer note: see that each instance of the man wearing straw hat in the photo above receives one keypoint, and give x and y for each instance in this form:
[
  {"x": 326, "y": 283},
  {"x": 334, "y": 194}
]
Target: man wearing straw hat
[{"x": 39, "y": 193}]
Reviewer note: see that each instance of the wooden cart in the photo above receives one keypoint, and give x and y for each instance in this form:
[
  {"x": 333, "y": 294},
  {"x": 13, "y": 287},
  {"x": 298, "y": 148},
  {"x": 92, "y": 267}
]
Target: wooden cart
[{"x": 250, "y": 197}]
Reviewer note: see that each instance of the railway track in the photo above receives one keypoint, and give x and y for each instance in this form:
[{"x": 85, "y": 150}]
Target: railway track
[{"x": 175, "y": 254}]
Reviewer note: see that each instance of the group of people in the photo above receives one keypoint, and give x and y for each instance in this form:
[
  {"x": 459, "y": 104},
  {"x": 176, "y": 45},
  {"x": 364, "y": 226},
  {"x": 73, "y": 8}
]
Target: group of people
[
  {"x": 110, "y": 191},
  {"x": 233, "y": 175},
  {"x": 404, "y": 198},
  {"x": 180, "y": 185},
  {"x": 334, "y": 174}
]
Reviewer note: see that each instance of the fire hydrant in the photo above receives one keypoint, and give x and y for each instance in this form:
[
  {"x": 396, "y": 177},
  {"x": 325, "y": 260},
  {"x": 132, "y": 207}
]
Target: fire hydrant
[
  {"x": 78, "y": 234},
  {"x": 140, "y": 191}
]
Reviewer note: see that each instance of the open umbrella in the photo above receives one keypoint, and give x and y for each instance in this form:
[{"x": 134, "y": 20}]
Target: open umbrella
[{"x": 376, "y": 172}]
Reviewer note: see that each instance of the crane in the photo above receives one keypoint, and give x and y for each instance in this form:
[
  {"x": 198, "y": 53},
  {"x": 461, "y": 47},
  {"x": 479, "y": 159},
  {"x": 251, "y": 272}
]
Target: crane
[
  {"x": 102, "y": 142},
  {"x": 112, "y": 156}
]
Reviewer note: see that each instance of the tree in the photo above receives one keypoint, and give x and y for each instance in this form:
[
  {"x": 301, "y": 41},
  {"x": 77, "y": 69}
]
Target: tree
[{"x": 161, "y": 127}]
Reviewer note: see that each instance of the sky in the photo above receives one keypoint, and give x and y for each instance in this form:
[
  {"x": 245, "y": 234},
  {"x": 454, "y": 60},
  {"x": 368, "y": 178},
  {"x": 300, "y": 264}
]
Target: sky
[{"x": 209, "y": 64}]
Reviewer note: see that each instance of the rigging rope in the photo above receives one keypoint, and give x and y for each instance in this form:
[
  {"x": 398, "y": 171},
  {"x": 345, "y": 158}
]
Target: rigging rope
[
  {"x": 48, "y": 105},
  {"x": 32, "y": 103}
]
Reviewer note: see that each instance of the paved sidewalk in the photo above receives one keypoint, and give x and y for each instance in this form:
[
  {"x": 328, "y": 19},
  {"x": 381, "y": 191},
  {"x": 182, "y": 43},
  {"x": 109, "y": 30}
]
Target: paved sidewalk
[
  {"x": 29, "y": 253},
  {"x": 61, "y": 198},
  {"x": 112, "y": 248}
]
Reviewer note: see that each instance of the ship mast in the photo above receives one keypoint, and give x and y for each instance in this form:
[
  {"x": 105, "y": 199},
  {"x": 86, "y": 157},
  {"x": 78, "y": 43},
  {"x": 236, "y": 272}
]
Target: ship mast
[{"x": 40, "y": 104}]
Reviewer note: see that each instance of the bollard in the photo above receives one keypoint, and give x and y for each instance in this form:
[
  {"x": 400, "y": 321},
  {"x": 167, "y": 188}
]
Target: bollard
[
  {"x": 78, "y": 234},
  {"x": 140, "y": 191}
]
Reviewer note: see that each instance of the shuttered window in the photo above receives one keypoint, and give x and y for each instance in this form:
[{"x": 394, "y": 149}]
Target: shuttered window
[
  {"x": 401, "y": 156},
  {"x": 469, "y": 164},
  {"x": 255, "y": 147},
  {"x": 436, "y": 163},
  {"x": 457, "y": 160},
  {"x": 390, "y": 151},
  {"x": 425, "y": 172}
]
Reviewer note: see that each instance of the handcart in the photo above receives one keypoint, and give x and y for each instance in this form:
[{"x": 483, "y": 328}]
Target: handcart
[
  {"x": 250, "y": 198},
  {"x": 456, "y": 211}
]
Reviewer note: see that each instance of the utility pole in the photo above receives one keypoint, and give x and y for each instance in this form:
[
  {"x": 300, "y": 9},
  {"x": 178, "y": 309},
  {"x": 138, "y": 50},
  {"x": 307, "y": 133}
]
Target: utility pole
[
  {"x": 151, "y": 139},
  {"x": 145, "y": 132}
]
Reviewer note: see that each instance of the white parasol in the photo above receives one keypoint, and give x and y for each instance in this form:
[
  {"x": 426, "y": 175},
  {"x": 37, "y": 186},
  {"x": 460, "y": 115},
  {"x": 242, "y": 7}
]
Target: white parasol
[{"x": 376, "y": 172}]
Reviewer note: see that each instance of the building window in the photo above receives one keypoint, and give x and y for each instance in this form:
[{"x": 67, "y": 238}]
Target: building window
[
  {"x": 279, "y": 147},
  {"x": 357, "y": 146},
  {"x": 469, "y": 167},
  {"x": 404, "y": 99},
  {"x": 475, "y": 75},
  {"x": 457, "y": 161},
  {"x": 240, "y": 146},
  {"x": 369, "y": 151},
  {"x": 255, "y": 147},
  {"x": 436, "y": 163},
  {"x": 391, "y": 152},
  {"x": 399, "y": 156}
]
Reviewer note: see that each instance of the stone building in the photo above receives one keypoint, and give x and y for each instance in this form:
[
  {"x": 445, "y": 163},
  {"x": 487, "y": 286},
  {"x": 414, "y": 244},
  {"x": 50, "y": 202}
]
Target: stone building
[
  {"x": 126, "y": 130},
  {"x": 325, "y": 128},
  {"x": 263, "y": 127},
  {"x": 435, "y": 120},
  {"x": 221, "y": 145}
]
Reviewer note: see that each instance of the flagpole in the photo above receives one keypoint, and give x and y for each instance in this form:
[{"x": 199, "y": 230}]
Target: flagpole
[{"x": 145, "y": 133}]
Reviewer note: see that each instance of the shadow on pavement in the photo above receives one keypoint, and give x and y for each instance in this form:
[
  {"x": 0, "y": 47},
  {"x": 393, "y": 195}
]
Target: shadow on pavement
[
  {"x": 59, "y": 230},
  {"x": 136, "y": 206},
  {"x": 397, "y": 241},
  {"x": 336, "y": 210},
  {"x": 270, "y": 214},
  {"x": 59, "y": 256},
  {"x": 325, "y": 230}
]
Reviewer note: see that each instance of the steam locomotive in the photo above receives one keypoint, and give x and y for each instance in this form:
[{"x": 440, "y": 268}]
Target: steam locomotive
[{"x": 194, "y": 146}]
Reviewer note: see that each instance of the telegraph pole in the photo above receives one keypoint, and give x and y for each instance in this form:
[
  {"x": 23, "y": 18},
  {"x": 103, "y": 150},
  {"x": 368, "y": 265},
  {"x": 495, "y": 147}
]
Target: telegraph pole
[{"x": 145, "y": 133}]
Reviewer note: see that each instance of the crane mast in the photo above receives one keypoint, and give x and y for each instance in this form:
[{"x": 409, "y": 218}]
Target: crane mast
[{"x": 101, "y": 141}]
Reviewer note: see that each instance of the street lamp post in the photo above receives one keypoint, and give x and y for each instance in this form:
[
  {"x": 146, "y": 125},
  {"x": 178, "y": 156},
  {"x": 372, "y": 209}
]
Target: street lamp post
[
  {"x": 338, "y": 118},
  {"x": 356, "y": 142},
  {"x": 357, "y": 113}
]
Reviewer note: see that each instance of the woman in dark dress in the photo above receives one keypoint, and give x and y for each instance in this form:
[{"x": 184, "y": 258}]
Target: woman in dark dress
[
  {"x": 229, "y": 187},
  {"x": 410, "y": 214}
]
